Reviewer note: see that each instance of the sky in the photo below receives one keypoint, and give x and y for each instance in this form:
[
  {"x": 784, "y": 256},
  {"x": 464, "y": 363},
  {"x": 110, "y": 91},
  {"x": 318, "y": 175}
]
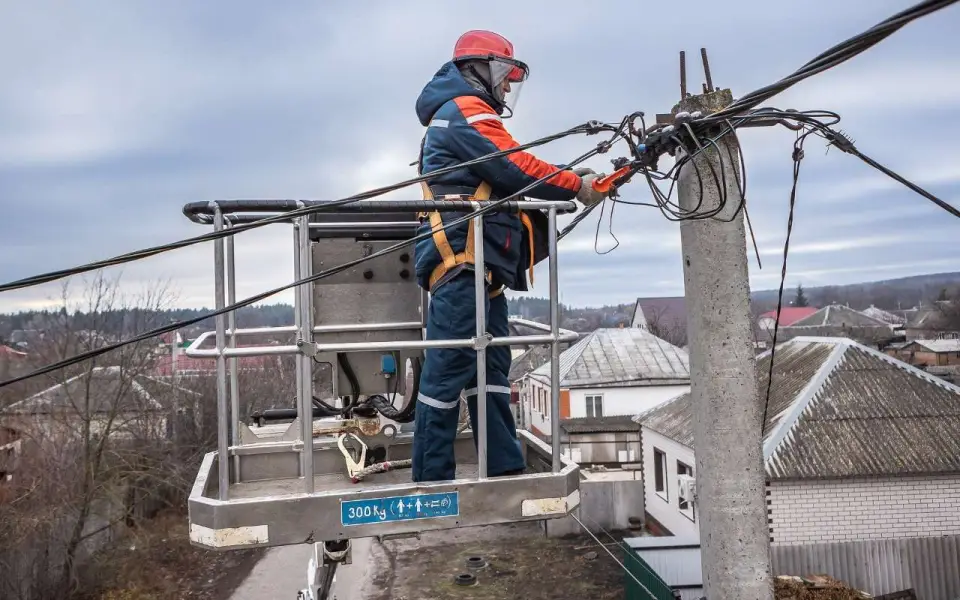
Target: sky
[{"x": 114, "y": 115}]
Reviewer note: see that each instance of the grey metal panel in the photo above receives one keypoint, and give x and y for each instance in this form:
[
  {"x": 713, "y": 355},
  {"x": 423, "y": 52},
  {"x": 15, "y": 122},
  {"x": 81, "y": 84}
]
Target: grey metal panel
[
  {"x": 380, "y": 290},
  {"x": 931, "y": 566}
]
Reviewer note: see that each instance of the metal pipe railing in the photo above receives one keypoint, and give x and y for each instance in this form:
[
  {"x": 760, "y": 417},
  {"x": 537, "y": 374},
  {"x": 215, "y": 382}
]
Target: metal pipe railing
[
  {"x": 305, "y": 392},
  {"x": 201, "y": 212},
  {"x": 554, "y": 345},
  {"x": 232, "y": 365},
  {"x": 226, "y": 334},
  {"x": 480, "y": 300},
  {"x": 223, "y": 412}
]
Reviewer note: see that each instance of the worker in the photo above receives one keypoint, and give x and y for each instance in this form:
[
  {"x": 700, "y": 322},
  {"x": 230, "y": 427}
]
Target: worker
[{"x": 462, "y": 108}]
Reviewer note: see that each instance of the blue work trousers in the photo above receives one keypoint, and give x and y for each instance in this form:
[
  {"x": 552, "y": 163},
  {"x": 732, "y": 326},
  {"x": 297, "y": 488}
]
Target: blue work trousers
[{"x": 448, "y": 371}]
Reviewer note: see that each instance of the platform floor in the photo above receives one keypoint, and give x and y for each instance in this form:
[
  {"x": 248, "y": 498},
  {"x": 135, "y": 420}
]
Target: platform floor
[{"x": 334, "y": 483}]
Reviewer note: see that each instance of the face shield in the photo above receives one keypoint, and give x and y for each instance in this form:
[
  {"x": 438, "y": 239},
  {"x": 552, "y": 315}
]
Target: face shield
[{"x": 507, "y": 76}]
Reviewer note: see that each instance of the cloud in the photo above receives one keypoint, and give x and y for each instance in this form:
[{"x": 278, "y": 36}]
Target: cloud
[{"x": 112, "y": 117}]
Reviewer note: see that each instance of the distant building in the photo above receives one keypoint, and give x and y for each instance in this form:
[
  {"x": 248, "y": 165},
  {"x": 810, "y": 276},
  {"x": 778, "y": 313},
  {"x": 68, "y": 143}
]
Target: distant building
[
  {"x": 928, "y": 353},
  {"x": 608, "y": 441},
  {"x": 885, "y": 316},
  {"x": 836, "y": 320},
  {"x": 940, "y": 321},
  {"x": 608, "y": 372},
  {"x": 662, "y": 316},
  {"x": 858, "y": 446},
  {"x": 788, "y": 316}
]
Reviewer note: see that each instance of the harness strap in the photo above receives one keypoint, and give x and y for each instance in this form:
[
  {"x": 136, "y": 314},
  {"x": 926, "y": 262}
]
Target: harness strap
[{"x": 451, "y": 260}]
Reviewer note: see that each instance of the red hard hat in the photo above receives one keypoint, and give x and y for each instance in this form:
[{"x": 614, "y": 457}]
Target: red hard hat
[{"x": 484, "y": 45}]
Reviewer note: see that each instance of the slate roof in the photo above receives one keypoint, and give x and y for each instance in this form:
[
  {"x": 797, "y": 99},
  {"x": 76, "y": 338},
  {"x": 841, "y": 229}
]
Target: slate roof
[
  {"x": 620, "y": 357},
  {"x": 836, "y": 315},
  {"x": 840, "y": 409},
  {"x": 612, "y": 424}
]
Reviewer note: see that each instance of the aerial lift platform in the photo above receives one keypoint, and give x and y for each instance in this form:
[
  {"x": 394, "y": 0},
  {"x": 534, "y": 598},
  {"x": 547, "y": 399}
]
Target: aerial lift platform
[{"x": 340, "y": 475}]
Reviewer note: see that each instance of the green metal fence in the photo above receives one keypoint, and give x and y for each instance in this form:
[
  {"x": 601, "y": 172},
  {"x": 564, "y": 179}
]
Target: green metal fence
[{"x": 650, "y": 586}]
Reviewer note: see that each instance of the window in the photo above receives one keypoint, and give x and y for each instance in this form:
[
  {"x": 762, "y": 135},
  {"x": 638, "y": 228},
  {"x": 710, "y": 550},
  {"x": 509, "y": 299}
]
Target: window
[
  {"x": 684, "y": 495},
  {"x": 660, "y": 473},
  {"x": 595, "y": 406}
]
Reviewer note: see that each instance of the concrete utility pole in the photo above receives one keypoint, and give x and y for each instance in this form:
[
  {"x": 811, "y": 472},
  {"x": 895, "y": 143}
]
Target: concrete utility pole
[{"x": 730, "y": 497}]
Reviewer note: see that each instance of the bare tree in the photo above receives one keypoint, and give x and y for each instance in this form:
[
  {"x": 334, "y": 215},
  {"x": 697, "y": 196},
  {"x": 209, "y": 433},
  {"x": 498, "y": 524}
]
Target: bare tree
[{"x": 96, "y": 437}]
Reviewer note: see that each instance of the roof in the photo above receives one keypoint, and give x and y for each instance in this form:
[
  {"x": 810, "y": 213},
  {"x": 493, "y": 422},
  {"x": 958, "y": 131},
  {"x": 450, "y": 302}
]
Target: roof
[
  {"x": 790, "y": 314},
  {"x": 837, "y": 315},
  {"x": 106, "y": 385},
  {"x": 528, "y": 361},
  {"x": 841, "y": 409},
  {"x": 931, "y": 317},
  {"x": 620, "y": 357},
  {"x": 8, "y": 352},
  {"x": 882, "y": 315},
  {"x": 939, "y": 346},
  {"x": 187, "y": 364},
  {"x": 613, "y": 424},
  {"x": 669, "y": 310}
]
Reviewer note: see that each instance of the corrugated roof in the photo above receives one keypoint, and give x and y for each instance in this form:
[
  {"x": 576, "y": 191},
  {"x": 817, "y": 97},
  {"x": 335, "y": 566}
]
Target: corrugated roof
[
  {"x": 613, "y": 424},
  {"x": 939, "y": 346},
  {"x": 840, "y": 409},
  {"x": 837, "y": 315},
  {"x": 620, "y": 357}
]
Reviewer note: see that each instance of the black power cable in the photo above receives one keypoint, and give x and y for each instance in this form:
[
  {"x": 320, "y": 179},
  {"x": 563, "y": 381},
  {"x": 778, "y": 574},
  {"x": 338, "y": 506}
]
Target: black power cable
[
  {"x": 797, "y": 157},
  {"x": 490, "y": 206},
  {"x": 833, "y": 56},
  {"x": 588, "y": 128}
]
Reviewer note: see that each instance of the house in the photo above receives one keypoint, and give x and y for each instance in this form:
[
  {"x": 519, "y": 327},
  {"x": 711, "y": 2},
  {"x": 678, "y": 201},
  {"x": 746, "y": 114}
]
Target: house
[
  {"x": 788, "y": 316},
  {"x": 12, "y": 362},
  {"x": 940, "y": 321},
  {"x": 883, "y": 315},
  {"x": 837, "y": 320},
  {"x": 608, "y": 372},
  {"x": 928, "y": 353},
  {"x": 858, "y": 446},
  {"x": 607, "y": 441},
  {"x": 664, "y": 317}
]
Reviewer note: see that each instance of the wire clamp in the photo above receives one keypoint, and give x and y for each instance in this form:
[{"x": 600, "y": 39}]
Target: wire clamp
[{"x": 307, "y": 348}]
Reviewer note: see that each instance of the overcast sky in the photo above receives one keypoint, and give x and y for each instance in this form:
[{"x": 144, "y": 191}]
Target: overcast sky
[{"x": 115, "y": 114}]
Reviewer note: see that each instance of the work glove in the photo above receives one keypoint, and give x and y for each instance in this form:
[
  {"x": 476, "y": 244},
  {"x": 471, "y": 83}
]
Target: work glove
[
  {"x": 587, "y": 195},
  {"x": 581, "y": 171}
]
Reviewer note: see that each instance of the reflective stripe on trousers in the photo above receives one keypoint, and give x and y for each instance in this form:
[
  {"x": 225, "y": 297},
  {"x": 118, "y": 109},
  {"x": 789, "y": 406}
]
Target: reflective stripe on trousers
[{"x": 449, "y": 371}]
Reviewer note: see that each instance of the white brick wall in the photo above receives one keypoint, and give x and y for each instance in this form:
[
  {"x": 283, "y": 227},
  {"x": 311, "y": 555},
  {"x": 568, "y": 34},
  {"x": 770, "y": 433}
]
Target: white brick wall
[{"x": 863, "y": 509}]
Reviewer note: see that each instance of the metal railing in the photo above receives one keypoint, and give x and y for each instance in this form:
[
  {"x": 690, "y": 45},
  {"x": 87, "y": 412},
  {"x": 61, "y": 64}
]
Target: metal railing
[{"x": 223, "y": 214}]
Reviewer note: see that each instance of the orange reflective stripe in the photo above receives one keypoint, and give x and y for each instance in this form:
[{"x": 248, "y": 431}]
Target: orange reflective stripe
[{"x": 529, "y": 225}]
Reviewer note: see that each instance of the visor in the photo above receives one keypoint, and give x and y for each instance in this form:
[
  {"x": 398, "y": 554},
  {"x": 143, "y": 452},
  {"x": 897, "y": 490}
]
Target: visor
[{"x": 514, "y": 73}]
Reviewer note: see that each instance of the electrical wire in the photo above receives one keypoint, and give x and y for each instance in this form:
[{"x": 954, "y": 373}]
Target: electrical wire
[
  {"x": 797, "y": 157},
  {"x": 833, "y": 56},
  {"x": 587, "y": 128},
  {"x": 489, "y": 206}
]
